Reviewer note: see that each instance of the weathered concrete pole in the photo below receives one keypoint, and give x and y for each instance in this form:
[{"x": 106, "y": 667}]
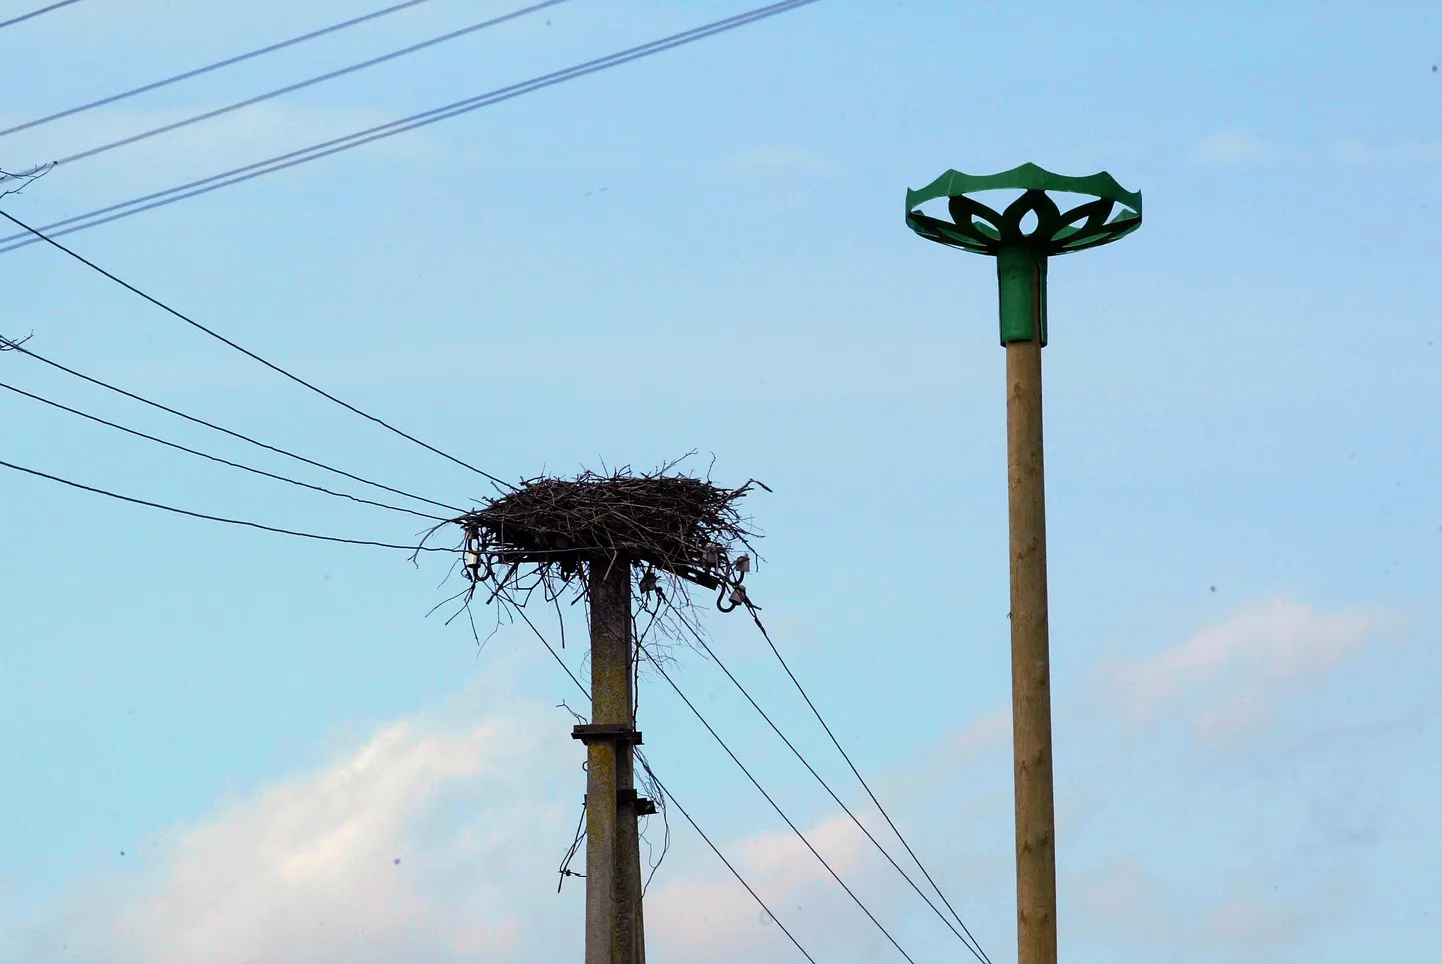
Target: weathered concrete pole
[
  {"x": 614, "y": 931},
  {"x": 1021, "y": 254}
]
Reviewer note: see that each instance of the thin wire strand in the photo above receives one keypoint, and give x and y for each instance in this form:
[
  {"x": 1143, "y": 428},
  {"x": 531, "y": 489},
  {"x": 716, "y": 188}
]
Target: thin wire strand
[
  {"x": 302, "y": 84},
  {"x": 645, "y": 764},
  {"x": 186, "y": 75},
  {"x": 247, "y": 352},
  {"x": 215, "y": 518},
  {"x": 552, "y": 650},
  {"x": 794, "y": 829},
  {"x": 715, "y": 850},
  {"x": 11, "y": 345},
  {"x": 866, "y": 786},
  {"x": 215, "y": 458},
  {"x": 280, "y": 162},
  {"x": 35, "y": 13},
  {"x": 976, "y": 951},
  {"x": 565, "y": 869}
]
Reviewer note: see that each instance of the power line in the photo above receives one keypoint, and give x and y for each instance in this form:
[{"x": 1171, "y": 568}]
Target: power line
[
  {"x": 247, "y": 352},
  {"x": 697, "y": 713},
  {"x": 976, "y": 951},
  {"x": 216, "y": 518},
  {"x": 176, "y": 78},
  {"x": 671, "y": 796},
  {"x": 796, "y": 830},
  {"x": 215, "y": 458},
  {"x": 702, "y": 834},
  {"x": 866, "y": 786},
  {"x": 35, "y": 13},
  {"x": 309, "y": 82},
  {"x": 280, "y": 162},
  {"x": 12, "y": 345}
]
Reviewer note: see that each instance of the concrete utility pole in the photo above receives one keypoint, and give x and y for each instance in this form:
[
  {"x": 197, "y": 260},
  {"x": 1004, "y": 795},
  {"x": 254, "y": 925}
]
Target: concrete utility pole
[
  {"x": 1021, "y": 259},
  {"x": 614, "y": 930}
]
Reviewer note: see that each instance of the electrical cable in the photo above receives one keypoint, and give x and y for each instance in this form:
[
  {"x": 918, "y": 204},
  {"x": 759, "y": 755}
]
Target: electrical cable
[
  {"x": 35, "y": 13},
  {"x": 976, "y": 951},
  {"x": 715, "y": 850},
  {"x": 216, "y": 458},
  {"x": 280, "y": 162},
  {"x": 672, "y": 797},
  {"x": 247, "y": 352},
  {"x": 13, "y": 346},
  {"x": 271, "y": 48},
  {"x": 302, "y": 84},
  {"x": 565, "y": 870},
  {"x": 796, "y": 830},
  {"x": 216, "y": 518},
  {"x": 845, "y": 756}
]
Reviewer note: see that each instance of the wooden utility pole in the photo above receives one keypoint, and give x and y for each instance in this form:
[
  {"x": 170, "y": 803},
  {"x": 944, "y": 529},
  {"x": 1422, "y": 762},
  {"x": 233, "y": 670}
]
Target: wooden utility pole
[
  {"x": 614, "y": 930},
  {"x": 1030, "y": 660},
  {"x": 1021, "y": 253}
]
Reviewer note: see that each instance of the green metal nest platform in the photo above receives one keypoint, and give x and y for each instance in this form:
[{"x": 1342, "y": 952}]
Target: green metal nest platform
[{"x": 1021, "y": 252}]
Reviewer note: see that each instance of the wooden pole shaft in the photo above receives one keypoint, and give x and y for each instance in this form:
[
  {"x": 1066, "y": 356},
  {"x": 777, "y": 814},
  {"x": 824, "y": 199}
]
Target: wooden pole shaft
[
  {"x": 1030, "y": 662},
  {"x": 614, "y": 933}
]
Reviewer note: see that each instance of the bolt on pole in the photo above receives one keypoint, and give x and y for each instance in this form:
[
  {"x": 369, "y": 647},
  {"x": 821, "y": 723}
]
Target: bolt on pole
[{"x": 1021, "y": 254}]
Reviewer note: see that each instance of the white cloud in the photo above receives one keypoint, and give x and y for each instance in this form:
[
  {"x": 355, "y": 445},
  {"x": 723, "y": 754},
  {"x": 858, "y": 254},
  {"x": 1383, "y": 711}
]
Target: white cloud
[
  {"x": 477, "y": 801},
  {"x": 418, "y": 845},
  {"x": 1358, "y": 154},
  {"x": 475, "y": 807},
  {"x": 1235, "y": 148},
  {"x": 1118, "y": 903},
  {"x": 713, "y": 919},
  {"x": 782, "y": 162},
  {"x": 1227, "y": 678},
  {"x": 306, "y": 868},
  {"x": 1123, "y": 904}
]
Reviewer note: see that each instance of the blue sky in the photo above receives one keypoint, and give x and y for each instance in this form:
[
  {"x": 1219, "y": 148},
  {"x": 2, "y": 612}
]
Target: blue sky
[{"x": 705, "y": 250}]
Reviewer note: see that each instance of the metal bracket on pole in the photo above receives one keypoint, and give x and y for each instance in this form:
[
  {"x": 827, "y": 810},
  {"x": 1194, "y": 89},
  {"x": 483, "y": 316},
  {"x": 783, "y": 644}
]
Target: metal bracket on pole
[
  {"x": 627, "y": 796},
  {"x": 589, "y": 733}
]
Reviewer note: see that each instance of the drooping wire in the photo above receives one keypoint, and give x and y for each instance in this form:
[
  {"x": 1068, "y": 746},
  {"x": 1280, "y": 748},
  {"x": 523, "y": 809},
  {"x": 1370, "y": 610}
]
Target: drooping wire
[
  {"x": 196, "y": 72},
  {"x": 215, "y": 458},
  {"x": 12, "y": 345},
  {"x": 280, "y": 162},
  {"x": 565, "y": 869},
  {"x": 866, "y": 786},
  {"x": 302, "y": 84},
  {"x": 665, "y": 791},
  {"x": 641, "y": 758},
  {"x": 247, "y": 352},
  {"x": 35, "y": 13},
  {"x": 774, "y": 805},
  {"x": 215, "y": 518},
  {"x": 966, "y": 938},
  {"x": 654, "y": 792}
]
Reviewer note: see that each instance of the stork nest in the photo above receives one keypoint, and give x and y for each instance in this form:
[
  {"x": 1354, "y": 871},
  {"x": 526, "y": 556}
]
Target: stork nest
[{"x": 673, "y": 531}]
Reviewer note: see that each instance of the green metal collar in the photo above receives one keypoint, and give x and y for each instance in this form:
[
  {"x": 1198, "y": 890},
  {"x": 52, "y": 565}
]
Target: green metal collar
[{"x": 978, "y": 228}]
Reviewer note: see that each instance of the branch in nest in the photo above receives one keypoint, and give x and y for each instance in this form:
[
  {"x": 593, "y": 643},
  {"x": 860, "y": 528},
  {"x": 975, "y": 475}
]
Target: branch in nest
[
  {"x": 674, "y": 531},
  {"x": 22, "y": 180}
]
